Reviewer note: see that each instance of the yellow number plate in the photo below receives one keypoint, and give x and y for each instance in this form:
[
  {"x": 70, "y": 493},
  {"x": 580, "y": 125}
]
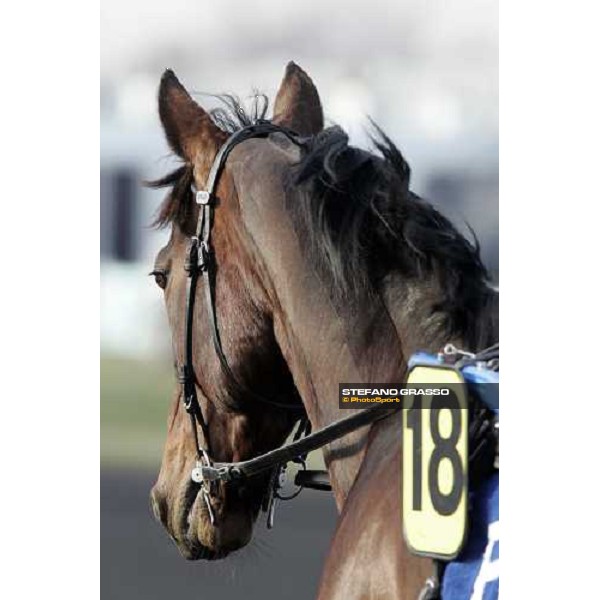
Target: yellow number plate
[{"x": 435, "y": 464}]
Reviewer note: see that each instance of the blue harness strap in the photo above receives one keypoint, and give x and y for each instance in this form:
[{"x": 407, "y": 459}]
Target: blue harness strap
[{"x": 476, "y": 378}]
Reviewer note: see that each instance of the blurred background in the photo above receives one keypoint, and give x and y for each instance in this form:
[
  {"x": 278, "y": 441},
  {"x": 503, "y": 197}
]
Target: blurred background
[{"x": 426, "y": 71}]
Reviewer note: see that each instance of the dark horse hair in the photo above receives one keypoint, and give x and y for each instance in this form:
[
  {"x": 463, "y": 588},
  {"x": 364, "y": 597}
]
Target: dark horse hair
[{"x": 361, "y": 221}]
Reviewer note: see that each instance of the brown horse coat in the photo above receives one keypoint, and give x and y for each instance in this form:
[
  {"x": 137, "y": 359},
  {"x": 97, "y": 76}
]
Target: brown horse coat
[{"x": 283, "y": 327}]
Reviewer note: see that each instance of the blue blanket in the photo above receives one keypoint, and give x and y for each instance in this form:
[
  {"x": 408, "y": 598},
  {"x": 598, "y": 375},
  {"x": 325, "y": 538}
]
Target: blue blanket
[{"x": 474, "y": 574}]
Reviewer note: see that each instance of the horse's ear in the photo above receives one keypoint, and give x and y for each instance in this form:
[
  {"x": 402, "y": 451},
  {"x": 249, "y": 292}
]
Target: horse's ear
[
  {"x": 297, "y": 105},
  {"x": 188, "y": 127}
]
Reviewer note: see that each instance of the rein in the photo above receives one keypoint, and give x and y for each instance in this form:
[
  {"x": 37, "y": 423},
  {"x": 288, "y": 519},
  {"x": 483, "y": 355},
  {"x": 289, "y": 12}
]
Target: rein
[{"x": 284, "y": 454}]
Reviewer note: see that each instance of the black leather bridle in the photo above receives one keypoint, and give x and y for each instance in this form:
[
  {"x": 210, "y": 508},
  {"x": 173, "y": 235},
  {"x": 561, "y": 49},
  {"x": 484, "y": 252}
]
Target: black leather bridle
[{"x": 200, "y": 264}]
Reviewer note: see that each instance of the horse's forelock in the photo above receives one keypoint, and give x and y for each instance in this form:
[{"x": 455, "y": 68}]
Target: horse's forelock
[{"x": 230, "y": 116}]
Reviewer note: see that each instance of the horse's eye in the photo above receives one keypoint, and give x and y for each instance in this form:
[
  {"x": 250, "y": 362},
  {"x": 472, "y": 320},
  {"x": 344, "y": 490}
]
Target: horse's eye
[{"x": 160, "y": 277}]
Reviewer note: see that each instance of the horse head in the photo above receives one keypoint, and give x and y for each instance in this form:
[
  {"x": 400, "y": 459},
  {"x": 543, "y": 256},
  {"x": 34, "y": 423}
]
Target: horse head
[{"x": 235, "y": 426}]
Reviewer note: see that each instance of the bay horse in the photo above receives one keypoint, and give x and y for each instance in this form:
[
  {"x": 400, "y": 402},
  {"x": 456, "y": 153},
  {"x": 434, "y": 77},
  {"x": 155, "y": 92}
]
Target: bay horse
[{"x": 329, "y": 269}]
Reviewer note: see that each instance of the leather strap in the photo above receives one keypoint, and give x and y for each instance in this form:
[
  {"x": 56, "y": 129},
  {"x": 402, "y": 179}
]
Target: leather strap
[
  {"x": 200, "y": 262},
  {"x": 318, "y": 439}
]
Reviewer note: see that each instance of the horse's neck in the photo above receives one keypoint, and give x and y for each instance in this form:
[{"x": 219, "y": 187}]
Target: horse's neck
[
  {"x": 325, "y": 342},
  {"x": 326, "y": 345},
  {"x": 319, "y": 358},
  {"x": 410, "y": 306}
]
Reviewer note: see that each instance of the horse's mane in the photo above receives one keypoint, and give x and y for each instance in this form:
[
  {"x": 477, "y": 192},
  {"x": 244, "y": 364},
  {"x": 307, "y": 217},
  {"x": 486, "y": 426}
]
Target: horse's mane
[
  {"x": 360, "y": 220},
  {"x": 363, "y": 223}
]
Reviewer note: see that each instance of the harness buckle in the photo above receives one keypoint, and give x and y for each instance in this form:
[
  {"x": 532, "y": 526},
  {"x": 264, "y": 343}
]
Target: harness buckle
[
  {"x": 450, "y": 350},
  {"x": 207, "y": 473},
  {"x": 188, "y": 403},
  {"x": 203, "y": 256},
  {"x": 186, "y": 378},
  {"x": 431, "y": 590},
  {"x": 197, "y": 257},
  {"x": 202, "y": 197}
]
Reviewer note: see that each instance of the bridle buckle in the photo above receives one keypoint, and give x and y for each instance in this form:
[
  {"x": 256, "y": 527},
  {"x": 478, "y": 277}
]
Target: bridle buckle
[
  {"x": 197, "y": 256},
  {"x": 202, "y": 197},
  {"x": 188, "y": 403},
  {"x": 203, "y": 256}
]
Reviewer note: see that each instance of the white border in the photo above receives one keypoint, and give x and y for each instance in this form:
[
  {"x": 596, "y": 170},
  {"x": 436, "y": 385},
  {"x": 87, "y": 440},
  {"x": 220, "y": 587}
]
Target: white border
[
  {"x": 549, "y": 105},
  {"x": 50, "y": 248},
  {"x": 549, "y": 232}
]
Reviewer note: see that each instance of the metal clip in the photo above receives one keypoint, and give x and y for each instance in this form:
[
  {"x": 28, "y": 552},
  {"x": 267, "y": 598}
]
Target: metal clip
[
  {"x": 452, "y": 350},
  {"x": 278, "y": 480},
  {"x": 211, "y": 514},
  {"x": 198, "y": 474},
  {"x": 197, "y": 256},
  {"x": 202, "y": 473},
  {"x": 431, "y": 590},
  {"x": 203, "y": 256},
  {"x": 203, "y": 464},
  {"x": 188, "y": 403},
  {"x": 202, "y": 197},
  {"x": 271, "y": 512},
  {"x": 493, "y": 364}
]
